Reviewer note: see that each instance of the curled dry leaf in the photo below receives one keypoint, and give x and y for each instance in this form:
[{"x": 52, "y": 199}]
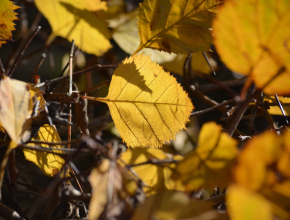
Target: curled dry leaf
[
  {"x": 81, "y": 20},
  {"x": 7, "y": 15},
  {"x": 259, "y": 43},
  {"x": 157, "y": 177},
  {"x": 110, "y": 184},
  {"x": 178, "y": 26},
  {"x": 210, "y": 164},
  {"x": 147, "y": 105}
]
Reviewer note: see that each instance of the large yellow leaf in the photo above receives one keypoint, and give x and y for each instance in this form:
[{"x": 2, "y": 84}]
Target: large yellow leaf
[
  {"x": 178, "y": 26},
  {"x": 147, "y": 105},
  {"x": 246, "y": 205},
  {"x": 169, "y": 205},
  {"x": 49, "y": 163},
  {"x": 81, "y": 20},
  {"x": 210, "y": 164},
  {"x": 156, "y": 177},
  {"x": 258, "y": 45},
  {"x": 7, "y": 16}
]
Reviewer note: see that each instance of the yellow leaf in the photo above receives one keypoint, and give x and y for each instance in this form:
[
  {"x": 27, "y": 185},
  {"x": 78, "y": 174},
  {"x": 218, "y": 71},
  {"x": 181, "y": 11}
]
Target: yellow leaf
[
  {"x": 49, "y": 163},
  {"x": 275, "y": 110},
  {"x": 81, "y": 20},
  {"x": 258, "y": 45},
  {"x": 246, "y": 205},
  {"x": 173, "y": 205},
  {"x": 210, "y": 164},
  {"x": 178, "y": 26},
  {"x": 147, "y": 105},
  {"x": 126, "y": 36},
  {"x": 7, "y": 16},
  {"x": 14, "y": 105},
  {"x": 115, "y": 7},
  {"x": 254, "y": 162},
  {"x": 156, "y": 177},
  {"x": 198, "y": 63}
]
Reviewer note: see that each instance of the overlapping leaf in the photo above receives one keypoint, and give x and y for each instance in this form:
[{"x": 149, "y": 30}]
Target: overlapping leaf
[
  {"x": 147, "y": 105},
  {"x": 246, "y": 205},
  {"x": 49, "y": 163},
  {"x": 274, "y": 108},
  {"x": 173, "y": 205},
  {"x": 210, "y": 164},
  {"x": 81, "y": 20},
  {"x": 258, "y": 45},
  {"x": 7, "y": 16},
  {"x": 178, "y": 26},
  {"x": 157, "y": 176},
  {"x": 126, "y": 36}
]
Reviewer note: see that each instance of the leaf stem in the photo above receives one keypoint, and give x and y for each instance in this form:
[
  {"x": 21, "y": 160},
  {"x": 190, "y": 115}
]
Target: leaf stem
[
  {"x": 281, "y": 108},
  {"x": 43, "y": 56},
  {"x": 207, "y": 60}
]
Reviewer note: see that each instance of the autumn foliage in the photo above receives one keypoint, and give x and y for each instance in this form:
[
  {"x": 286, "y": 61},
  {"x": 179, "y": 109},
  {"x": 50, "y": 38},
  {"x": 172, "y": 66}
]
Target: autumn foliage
[{"x": 149, "y": 153}]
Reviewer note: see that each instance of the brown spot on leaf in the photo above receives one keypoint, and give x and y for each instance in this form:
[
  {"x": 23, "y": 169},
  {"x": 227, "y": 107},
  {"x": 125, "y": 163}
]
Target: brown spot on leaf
[
  {"x": 155, "y": 75},
  {"x": 55, "y": 172},
  {"x": 165, "y": 46},
  {"x": 3, "y": 26}
]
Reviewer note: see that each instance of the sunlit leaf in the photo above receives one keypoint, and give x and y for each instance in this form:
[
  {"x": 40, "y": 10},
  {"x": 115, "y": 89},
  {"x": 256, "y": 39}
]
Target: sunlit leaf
[
  {"x": 178, "y": 26},
  {"x": 173, "y": 205},
  {"x": 126, "y": 36},
  {"x": 81, "y": 20},
  {"x": 14, "y": 104},
  {"x": 210, "y": 164},
  {"x": 155, "y": 176},
  {"x": 49, "y": 163},
  {"x": 258, "y": 45},
  {"x": 275, "y": 110},
  {"x": 147, "y": 105},
  {"x": 7, "y": 16},
  {"x": 254, "y": 162},
  {"x": 246, "y": 205}
]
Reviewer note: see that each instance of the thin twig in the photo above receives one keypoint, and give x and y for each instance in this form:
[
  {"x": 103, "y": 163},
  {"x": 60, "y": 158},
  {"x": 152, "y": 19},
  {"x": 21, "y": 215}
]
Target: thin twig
[
  {"x": 207, "y": 60},
  {"x": 43, "y": 56},
  {"x": 7, "y": 40},
  {"x": 97, "y": 66},
  {"x": 71, "y": 56},
  {"x": 212, "y": 87},
  {"x": 107, "y": 82},
  {"x": 2, "y": 70},
  {"x": 239, "y": 112},
  {"x": 23, "y": 50},
  {"x": 212, "y": 108},
  {"x": 55, "y": 143},
  {"x": 281, "y": 108}
]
